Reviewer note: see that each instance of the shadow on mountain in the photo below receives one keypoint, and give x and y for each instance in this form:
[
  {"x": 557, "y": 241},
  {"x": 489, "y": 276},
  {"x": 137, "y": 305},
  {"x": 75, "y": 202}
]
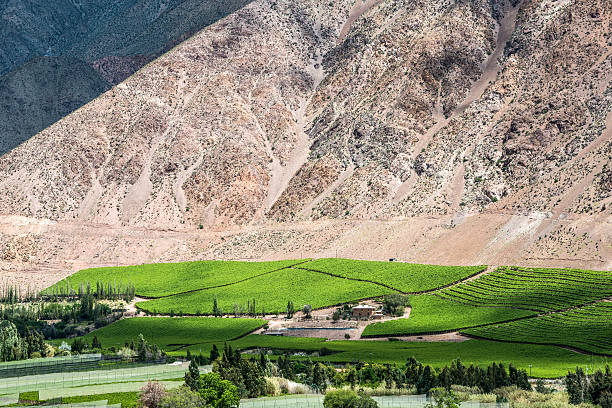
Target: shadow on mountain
[{"x": 93, "y": 45}]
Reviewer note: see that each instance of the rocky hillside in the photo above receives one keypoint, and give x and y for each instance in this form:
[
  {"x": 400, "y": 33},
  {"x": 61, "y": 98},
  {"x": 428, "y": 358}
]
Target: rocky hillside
[
  {"x": 27, "y": 106},
  {"x": 436, "y": 131},
  {"x": 115, "y": 39}
]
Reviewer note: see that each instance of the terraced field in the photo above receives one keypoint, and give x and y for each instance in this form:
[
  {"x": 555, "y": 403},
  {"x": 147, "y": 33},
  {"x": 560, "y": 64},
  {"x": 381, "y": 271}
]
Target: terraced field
[
  {"x": 157, "y": 280},
  {"x": 588, "y": 328},
  {"x": 170, "y": 333},
  {"x": 270, "y": 292},
  {"x": 536, "y": 289},
  {"x": 431, "y": 314},
  {"x": 405, "y": 277}
]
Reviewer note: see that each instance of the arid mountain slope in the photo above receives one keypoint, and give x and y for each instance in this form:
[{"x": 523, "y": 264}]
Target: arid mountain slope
[
  {"x": 93, "y": 29},
  {"x": 114, "y": 38},
  {"x": 35, "y": 95},
  {"x": 443, "y": 132}
]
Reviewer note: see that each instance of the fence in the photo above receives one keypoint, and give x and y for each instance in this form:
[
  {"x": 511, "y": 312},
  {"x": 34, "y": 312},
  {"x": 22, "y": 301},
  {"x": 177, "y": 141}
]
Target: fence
[
  {"x": 49, "y": 365},
  {"x": 94, "y": 381},
  {"x": 7, "y": 400},
  {"x": 316, "y": 401},
  {"x": 83, "y": 362}
]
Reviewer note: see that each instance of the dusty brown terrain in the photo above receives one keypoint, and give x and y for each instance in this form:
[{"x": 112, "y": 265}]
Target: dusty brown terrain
[{"x": 432, "y": 131}]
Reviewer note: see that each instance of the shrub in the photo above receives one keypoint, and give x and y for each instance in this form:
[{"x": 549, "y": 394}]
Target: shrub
[
  {"x": 126, "y": 353},
  {"x": 348, "y": 399},
  {"x": 606, "y": 400},
  {"x": 307, "y": 310},
  {"x": 395, "y": 304},
  {"x": 340, "y": 399},
  {"x": 443, "y": 398},
  {"x": 78, "y": 345},
  {"x": 152, "y": 394},
  {"x": 273, "y": 387}
]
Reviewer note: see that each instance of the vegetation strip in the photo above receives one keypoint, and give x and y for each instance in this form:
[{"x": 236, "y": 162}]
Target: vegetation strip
[
  {"x": 563, "y": 346},
  {"x": 586, "y": 328},
  {"x": 403, "y": 277},
  {"x": 353, "y": 279}
]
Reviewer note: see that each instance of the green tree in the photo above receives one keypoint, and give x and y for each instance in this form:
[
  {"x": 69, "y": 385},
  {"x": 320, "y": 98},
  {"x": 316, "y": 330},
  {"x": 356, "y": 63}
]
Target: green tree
[
  {"x": 576, "y": 385},
  {"x": 395, "y": 304},
  {"x": 340, "y": 399},
  {"x": 606, "y": 399},
  {"x": 214, "y": 353},
  {"x": 192, "y": 377},
  {"x": 290, "y": 309},
  {"x": 443, "y": 398},
  {"x": 78, "y": 345},
  {"x": 307, "y": 310},
  {"x": 142, "y": 348},
  {"x": 11, "y": 344},
  {"x": 95, "y": 343},
  {"x": 427, "y": 380},
  {"x": 216, "y": 311},
  {"x": 218, "y": 393}
]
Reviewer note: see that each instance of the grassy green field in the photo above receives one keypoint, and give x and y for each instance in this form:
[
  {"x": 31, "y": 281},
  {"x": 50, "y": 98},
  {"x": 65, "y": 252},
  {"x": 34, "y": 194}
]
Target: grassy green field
[
  {"x": 406, "y": 277},
  {"x": 271, "y": 292},
  {"x": 537, "y": 289},
  {"x": 546, "y": 361},
  {"x": 169, "y": 333},
  {"x": 507, "y": 293},
  {"x": 588, "y": 328},
  {"x": 126, "y": 399},
  {"x": 431, "y": 313},
  {"x": 156, "y": 280}
]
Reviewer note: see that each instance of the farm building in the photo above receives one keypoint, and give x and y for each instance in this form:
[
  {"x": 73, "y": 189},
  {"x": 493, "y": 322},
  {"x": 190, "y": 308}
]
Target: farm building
[
  {"x": 378, "y": 314},
  {"x": 361, "y": 311}
]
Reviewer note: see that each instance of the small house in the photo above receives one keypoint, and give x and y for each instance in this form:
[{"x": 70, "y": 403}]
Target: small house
[
  {"x": 363, "y": 311},
  {"x": 378, "y": 314}
]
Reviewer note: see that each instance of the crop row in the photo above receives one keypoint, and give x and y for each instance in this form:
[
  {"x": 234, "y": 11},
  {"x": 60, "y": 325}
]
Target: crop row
[
  {"x": 170, "y": 333},
  {"x": 539, "y": 290},
  {"x": 588, "y": 328},
  {"x": 270, "y": 293},
  {"x": 432, "y": 314},
  {"x": 405, "y": 277},
  {"x": 157, "y": 280}
]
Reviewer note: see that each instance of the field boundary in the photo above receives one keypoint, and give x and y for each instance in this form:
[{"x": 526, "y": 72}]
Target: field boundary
[
  {"x": 457, "y": 329},
  {"x": 565, "y": 346},
  {"x": 225, "y": 284},
  {"x": 421, "y": 292},
  {"x": 182, "y": 346},
  {"x": 534, "y": 316},
  {"x": 538, "y": 312}
]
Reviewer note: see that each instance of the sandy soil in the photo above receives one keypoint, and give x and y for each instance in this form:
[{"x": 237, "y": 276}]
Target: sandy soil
[
  {"x": 36, "y": 253},
  {"x": 321, "y": 319},
  {"x": 450, "y": 337},
  {"x": 358, "y": 10}
]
